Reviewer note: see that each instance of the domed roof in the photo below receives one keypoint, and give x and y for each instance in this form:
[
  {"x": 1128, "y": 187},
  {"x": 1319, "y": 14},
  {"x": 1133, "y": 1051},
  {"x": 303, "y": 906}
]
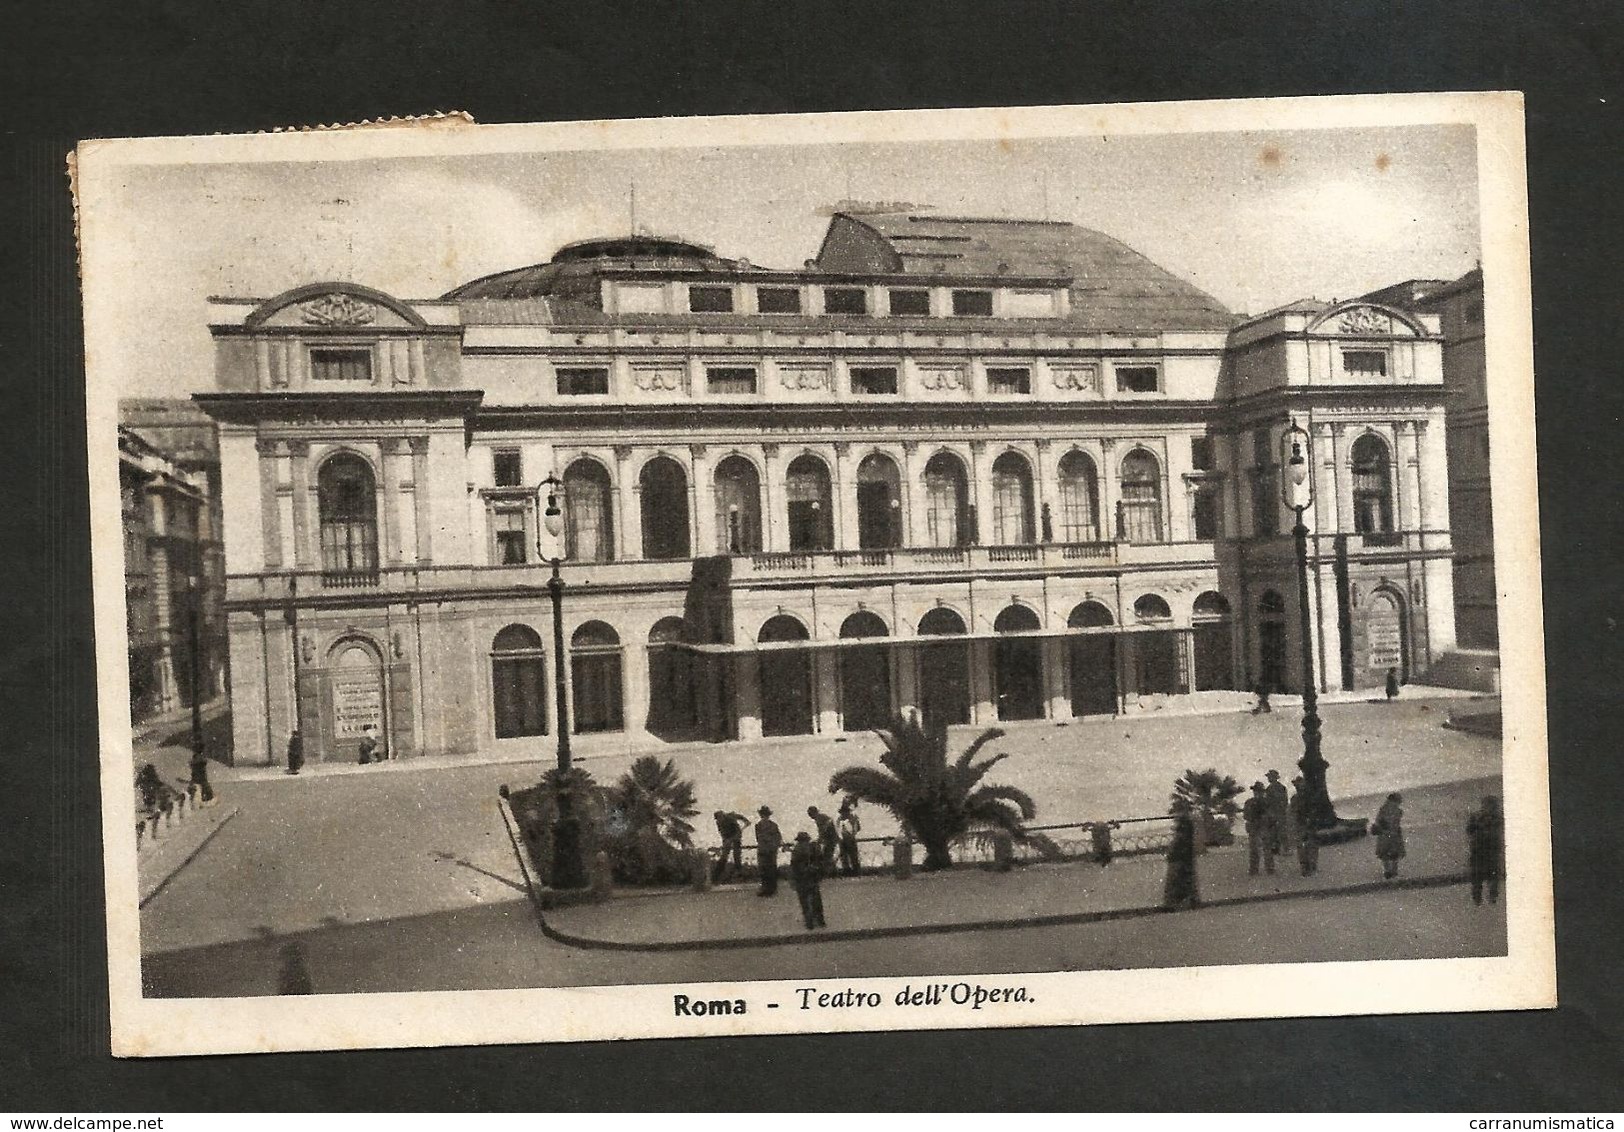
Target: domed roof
[{"x": 574, "y": 269}]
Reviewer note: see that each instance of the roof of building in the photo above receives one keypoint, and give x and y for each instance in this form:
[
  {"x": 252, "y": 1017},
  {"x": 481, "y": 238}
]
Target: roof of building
[{"x": 573, "y": 271}]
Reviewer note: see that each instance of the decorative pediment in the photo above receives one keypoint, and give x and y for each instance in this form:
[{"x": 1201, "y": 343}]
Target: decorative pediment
[
  {"x": 337, "y": 310},
  {"x": 335, "y": 306},
  {"x": 1366, "y": 320}
]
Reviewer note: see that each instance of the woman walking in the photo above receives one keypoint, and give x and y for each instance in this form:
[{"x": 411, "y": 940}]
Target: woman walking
[
  {"x": 1389, "y": 830},
  {"x": 1180, "y": 890},
  {"x": 1486, "y": 852}
]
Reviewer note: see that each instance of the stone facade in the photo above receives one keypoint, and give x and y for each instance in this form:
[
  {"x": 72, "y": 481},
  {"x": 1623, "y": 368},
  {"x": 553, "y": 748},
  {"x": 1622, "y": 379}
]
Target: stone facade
[{"x": 982, "y": 469}]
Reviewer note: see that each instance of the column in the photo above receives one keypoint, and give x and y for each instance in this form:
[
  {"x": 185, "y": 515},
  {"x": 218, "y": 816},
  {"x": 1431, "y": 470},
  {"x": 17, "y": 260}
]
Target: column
[
  {"x": 1056, "y": 700},
  {"x": 904, "y": 661},
  {"x": 845, "y": 498},
  {"x": 1342, "y": 481},
  {"x": 1048, "y": 499},
  {"x": 774, "y": 515},
  {"x": 1176, "y": 467},
  {"x": 913, "y": 508},
  {"x": 980, "y": 491},
  {"x": 303, "y": 546},
  {"x": 420, "y": 499},
  {"x": 702, "y": 500},
  {"x": 747, "y": 694},
  {"x": 635, "y": 687},
  {"x": 389, "y": 501},
  {"x": 270, "y": 515},
  {"x": 1326, "y": 501},
  {"x": 1409, "y": 458},
  {"x": 825, "y": 691},
  {"x": 1109, "y": 492},
  {"x": 1432, "y": 477},
  {"x": 629, "y": 504}
]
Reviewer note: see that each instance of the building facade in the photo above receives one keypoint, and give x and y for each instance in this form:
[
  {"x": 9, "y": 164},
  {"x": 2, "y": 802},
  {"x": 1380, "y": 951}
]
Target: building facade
[
  {"x": 172, "y": 564},
  {"x": 982, "y": 469}
]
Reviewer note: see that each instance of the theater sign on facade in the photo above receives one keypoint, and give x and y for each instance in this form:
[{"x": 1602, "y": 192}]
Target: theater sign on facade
[{"x": 983, "y": 469}]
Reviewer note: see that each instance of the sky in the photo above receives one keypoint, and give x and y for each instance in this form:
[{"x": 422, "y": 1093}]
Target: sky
[{"x": 1256, "y": 219}]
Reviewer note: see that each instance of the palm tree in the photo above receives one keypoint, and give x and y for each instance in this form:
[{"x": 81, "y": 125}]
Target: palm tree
[
  {"x": 932, "y": 799},
  {"x": 1211, "y": 793},
  {"x": 653, "y": 796}
]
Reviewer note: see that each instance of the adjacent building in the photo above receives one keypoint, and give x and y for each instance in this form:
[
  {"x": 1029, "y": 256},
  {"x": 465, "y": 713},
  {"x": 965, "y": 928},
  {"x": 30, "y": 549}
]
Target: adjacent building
[{"x": 983, "y": 469}]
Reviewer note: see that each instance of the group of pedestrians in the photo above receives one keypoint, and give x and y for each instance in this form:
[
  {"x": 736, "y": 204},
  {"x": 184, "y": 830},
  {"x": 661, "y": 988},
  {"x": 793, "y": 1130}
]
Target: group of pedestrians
[
  {"x": 811, "y": 858},
  {"x": 1278, "y": 823}
]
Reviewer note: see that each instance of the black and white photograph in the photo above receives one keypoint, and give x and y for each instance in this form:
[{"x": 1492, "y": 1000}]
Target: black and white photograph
[{"x": 925, "y": 569}]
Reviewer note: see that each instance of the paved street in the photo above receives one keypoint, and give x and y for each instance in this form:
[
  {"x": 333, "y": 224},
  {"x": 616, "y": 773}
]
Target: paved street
[{"x": 423, "y": 853}]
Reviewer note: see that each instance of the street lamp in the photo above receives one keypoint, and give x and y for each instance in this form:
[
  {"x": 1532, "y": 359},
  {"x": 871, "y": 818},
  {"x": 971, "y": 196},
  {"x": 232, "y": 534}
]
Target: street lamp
[
  {"x": 569, "y": 871},
  {"x": 1297, "y": 491},
  {"x": 199, "y": 762}
]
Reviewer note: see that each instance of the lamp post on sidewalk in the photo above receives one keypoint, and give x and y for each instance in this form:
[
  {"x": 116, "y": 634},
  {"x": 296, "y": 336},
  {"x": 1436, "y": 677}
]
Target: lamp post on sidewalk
[
  {"x": 569, "y": 871},
  {"x": 1297, "y": 491},
  {"x": 199, "y": 762}
]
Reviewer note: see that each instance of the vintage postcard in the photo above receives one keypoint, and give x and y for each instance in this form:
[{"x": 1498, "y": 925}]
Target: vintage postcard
[{"x": 961, "y": 568}]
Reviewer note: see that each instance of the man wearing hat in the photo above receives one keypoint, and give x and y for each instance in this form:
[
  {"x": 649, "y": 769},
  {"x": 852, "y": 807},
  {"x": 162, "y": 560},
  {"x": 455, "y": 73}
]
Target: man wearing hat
[
  {"x": 730, "y": 827},
  {"x": 1278, "y": 801},
  {"x": 1259, "y": 840},
  {"x": 768, "y": 839},
  {"x": 806, "y": 871},
  {"x": 1307, "y": 843}
]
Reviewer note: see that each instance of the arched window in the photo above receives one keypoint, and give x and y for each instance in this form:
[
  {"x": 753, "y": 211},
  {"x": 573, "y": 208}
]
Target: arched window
[
  {"x": 1214, "y": 643},
  {"x": 1093, "y": 661},
  {"x": 738, "y": 507},
  {"x": 865, "y": 674},
  {"x": 663, "y": 486},
  {"x": 1018, "y": 665},
  {"x": 1079, "y": 499},
  {"x": 347, "y": 503},
  {"x": 1011, "y": 500},
  {"x": 786, "y": 678},
  {"x": 1141, "y": 497},
  {"x": 946, "y": 498},
  {"x": 672, "y": 710},
  {"x": 811, "y": 519},
  {"x": 879, "y": 503},
  {"x": 1372, "y": 486},
  {"x": 595, "y": 678},
  {"x": 589, "y": 530},
  {"x": 944, "y": 670},
  {"x": 518, "y": 683},
  {"x": 1151, "y": 607}
]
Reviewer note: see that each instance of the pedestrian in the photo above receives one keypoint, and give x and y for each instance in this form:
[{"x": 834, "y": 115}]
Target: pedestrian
[
  {"x": 768, "y": 839},
  {"x": 295, "y": 752},
  {"x": 731, "y": 827},
  {"x": 1486, "y": 850},
  {"x": 1099, "y": 839},
  {"x": 1179, "y": 890},
  {"x": 1259, "y": 840},
  {"x": 1278, "y": 801},
  {"x": 1261, "y": 691},
  {"x": 828, "y": 839},
  {"x": 369, "y": 746},
  {"x": 806, "y": 871},
  {"x": 200, "y": 776},
  {"x": 1392, "y": 684},
  {"x": 848, "y": 827},
  {"x": 1389, "y": 830},
  {"x": 1302, "y": 824}
]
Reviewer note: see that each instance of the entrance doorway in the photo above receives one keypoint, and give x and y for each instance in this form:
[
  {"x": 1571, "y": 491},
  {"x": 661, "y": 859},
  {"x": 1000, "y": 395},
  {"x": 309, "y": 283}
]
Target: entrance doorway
[
  {"x": 865, "y": 675},
  {"x": 1156, "y": 654},
  {"x": 355, "y": 683},
  {"x": 1093, "y": 662},
  {"x": 1271, "y": 641},
  {"x": 944, "y": 671},
  {"x": 785, "y": 679},
  {"x": 1018, "y": 666},
  {"x": 1214, "y": 643}
]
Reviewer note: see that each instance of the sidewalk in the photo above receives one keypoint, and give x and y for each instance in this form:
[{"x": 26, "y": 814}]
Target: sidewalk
[{"x": 968, "y": 899}]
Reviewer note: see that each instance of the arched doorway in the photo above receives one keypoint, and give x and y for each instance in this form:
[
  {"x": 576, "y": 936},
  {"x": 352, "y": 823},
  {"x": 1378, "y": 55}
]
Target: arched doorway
[
  {"x": 1079, "y": 518},
  {"x": 664, "y": 491},
  {"x": 810, "y": 504},
  {"x": 1271, "y": 641},
  {"x": 1012, "y": 500},
  {"x": 1018, "y": 666},
  {"x": 355, "y": 687},
  {"x": 672, "y": 705},
  {"x": 518, "y": 683},
  {"x": 879, "y": 503},
  {"x": 595, "y": 672},
  {"x": 1093, "y": 661},
  {"x": 944, "y": 670},
  {"x": 738, "y": 507},
  {"x": 946, "y": 500},
  {"x": 1214, "y": 643},
  {"x": 589, "y": 528},
  {"x": 1156, "y": 654},
  {"x": 1386, "y": 638},
  {"x": 785, "y": 678},
  {"x": 347, "y": 509},
  {"x": 865, "y": 674}
]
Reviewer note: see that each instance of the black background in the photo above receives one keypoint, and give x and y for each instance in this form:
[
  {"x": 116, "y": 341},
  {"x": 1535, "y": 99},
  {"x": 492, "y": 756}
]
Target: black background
[{"x": 195, "y": 67}]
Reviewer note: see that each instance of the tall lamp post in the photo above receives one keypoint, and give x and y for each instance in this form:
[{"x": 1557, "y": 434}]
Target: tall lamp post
[
  {"x": 1297, "y": 490},
  {"x": 200, "y": 761},
  {"x": 569, "y": 871}
]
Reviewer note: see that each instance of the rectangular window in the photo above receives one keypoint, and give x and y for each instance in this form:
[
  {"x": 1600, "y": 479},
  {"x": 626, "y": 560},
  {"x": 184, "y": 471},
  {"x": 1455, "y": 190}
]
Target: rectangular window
[
  {"x": 1201, "y": 454},
  {"x": 909, "y": 302},
  {"x": 1009, "y": 380},
  {"x": 972, "y": 302},
  {"x": 1138, "y": 379},
  {"x": 508, "y": 525},
  {"x": 845, "y": 300},
  {"x": 1364, "y": 363},
  {"x": 1205, "y": 514},
  {"x": 583, "y": 381},
  {"x": 730, "y": 379},
  {"x": 778, "y": 300},
  {"x": 352, "y": 363},
  {"x": 508, "y": 466},
  {"x": 874, "y": 381},
  {"x": 710, "y": 300}
]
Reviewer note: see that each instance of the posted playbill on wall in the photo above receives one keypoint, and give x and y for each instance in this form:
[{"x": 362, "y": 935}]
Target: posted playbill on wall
[{"x": 904, "y": 570}]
